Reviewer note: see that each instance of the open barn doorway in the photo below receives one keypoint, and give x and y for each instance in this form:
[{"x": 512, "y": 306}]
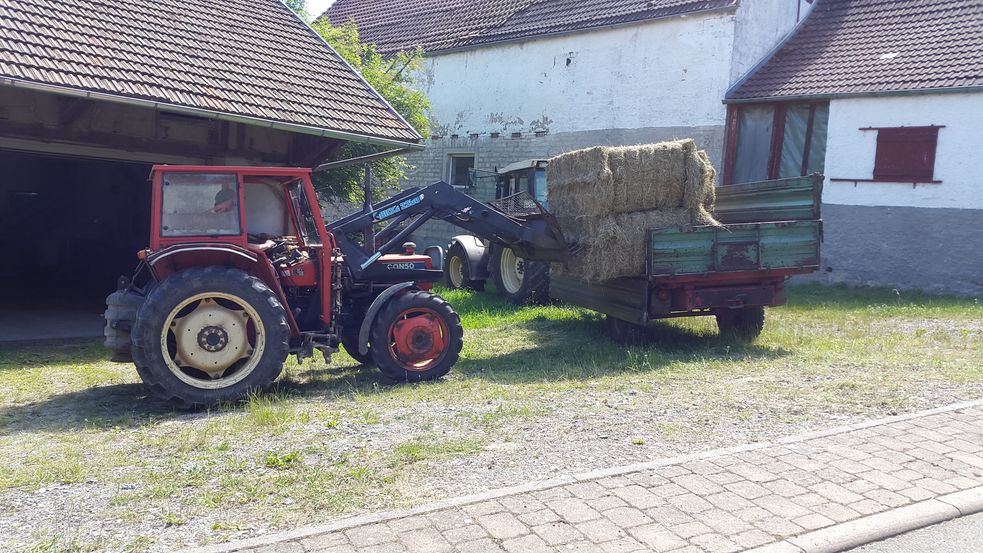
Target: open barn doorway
[{"x": 68, "y": 228}]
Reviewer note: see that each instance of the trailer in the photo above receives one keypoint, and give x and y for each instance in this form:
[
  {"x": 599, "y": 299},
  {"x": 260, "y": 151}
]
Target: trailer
[{"x": 770, "y": 231}]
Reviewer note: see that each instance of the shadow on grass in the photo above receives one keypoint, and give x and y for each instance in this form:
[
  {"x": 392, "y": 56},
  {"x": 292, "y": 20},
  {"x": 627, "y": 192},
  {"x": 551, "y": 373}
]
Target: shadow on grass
[{"x": 569, "y": 345}]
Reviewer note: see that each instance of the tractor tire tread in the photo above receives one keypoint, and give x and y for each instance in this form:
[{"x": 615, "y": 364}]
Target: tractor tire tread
[
  {"x": 392, "y": 309},
  {"x": 149, "y": 362}
]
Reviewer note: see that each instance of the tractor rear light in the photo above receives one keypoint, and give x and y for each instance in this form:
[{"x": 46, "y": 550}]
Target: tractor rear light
[{"x": 142, "y": 255}]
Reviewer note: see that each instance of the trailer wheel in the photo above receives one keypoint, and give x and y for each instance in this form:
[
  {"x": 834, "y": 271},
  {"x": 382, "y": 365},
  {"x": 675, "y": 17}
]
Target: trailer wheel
[
  {"x": 519, "y": 281},
  {"x": 351, "y": 348},
  {"x": 416, "y": 336},
  {"x": 457, "y": 270},
  {"x": 741, "y": 324},
  {"x": 209, "y": 335},
  {"x": 623, "y": 332}
]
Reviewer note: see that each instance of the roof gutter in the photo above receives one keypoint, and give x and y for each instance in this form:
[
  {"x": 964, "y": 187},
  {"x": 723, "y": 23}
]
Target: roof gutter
[
  {"x": 708, "y": 11},
  {"x": 209, "y": 114},
  {"x": 865, "y": 94}
]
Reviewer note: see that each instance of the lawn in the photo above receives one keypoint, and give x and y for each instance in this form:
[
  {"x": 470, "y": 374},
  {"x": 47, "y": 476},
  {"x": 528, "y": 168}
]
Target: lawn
[{"x": 92, "y": 463}]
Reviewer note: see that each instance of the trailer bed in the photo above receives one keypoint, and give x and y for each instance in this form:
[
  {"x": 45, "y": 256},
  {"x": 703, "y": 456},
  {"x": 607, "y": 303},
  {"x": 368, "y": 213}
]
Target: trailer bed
[{"x": 770, "y": 231}]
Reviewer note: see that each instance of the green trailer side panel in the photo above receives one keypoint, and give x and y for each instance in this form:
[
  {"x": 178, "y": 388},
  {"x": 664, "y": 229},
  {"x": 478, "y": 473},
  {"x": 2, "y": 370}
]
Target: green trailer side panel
[
  {"x": 794, "y": 199},
  {"x": 623, "y": 298},
  {"x": 730, "y": 248}
]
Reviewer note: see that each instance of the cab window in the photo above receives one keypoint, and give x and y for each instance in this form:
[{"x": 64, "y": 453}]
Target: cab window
[
  {"x": 200, "y": 204},
  {"x": 304, "y": 213}
]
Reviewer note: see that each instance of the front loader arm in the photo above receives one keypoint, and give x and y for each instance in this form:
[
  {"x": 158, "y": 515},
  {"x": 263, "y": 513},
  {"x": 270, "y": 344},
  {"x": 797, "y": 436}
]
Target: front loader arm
[{"x": 534, "y": 237}]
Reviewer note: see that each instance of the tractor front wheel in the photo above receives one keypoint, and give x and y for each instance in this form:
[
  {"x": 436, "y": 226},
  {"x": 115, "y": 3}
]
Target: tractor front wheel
[
  {"x": 417, "y": 336},
  {"x": 457, "y": 270},
  {"x": 351, "y": 348},
  {"x": 209, "y": 335}
]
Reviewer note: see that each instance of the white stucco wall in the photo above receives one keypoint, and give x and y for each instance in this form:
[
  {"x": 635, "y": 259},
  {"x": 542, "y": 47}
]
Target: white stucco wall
[
  {"x": 665, "y": 73},
  {"x": 760, "y": 26},
  {"x": 850, "y": 151}
]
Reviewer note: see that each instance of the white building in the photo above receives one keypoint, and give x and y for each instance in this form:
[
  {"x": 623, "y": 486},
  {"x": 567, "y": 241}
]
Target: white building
[
  {"x": 886, "y": 99},
  {"x": 514, "y": 80}
]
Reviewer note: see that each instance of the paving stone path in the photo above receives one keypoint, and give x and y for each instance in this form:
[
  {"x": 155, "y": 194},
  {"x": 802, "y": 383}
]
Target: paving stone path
[{"x": 724, "y": 501}]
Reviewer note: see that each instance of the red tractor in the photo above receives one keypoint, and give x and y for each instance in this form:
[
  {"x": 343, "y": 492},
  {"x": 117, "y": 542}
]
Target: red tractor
[{"x": 241, "y": 271}]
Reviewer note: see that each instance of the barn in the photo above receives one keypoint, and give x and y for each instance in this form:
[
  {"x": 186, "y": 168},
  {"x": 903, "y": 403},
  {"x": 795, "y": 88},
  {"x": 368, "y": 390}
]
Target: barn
[{"x": 94, "y": 92}]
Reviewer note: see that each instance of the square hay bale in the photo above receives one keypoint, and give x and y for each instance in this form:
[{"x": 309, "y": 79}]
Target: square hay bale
[
  {"x": 605, "y": 180},
  {"x": 606, "y": 198},
  {"x": 614, "y": 246}
]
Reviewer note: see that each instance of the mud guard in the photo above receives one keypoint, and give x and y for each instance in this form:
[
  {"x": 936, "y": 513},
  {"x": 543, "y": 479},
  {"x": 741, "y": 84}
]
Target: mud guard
[
  {"x": 478, "y": 255},
  {"x": 373, "y": 310}
]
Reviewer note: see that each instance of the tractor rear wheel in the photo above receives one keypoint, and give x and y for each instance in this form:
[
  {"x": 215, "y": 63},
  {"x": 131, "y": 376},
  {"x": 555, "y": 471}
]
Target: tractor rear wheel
[
  {"x": 741, "y": 324},
  {"x": 519, "y": 281},
  {"x": 457, "y": 270},
  {"x": 209, "y": 335},
  {"x": 416, "y": 336}
]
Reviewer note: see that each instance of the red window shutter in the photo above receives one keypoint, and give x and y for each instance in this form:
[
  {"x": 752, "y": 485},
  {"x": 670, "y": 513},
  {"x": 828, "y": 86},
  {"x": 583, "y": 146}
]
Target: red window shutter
[{"x": 906, "y": 154}]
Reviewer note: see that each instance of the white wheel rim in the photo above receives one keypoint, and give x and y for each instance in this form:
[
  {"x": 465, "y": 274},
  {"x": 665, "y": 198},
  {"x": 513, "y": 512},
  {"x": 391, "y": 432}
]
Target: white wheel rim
[
  {"x": 455, "y": 269},
  {"x": 512, "y": 270},
  {"x": 212, "y": 340}
]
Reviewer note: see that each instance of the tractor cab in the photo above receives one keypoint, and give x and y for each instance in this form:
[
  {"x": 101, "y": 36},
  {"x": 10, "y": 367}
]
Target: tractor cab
[{"x": 527, "y": 176}]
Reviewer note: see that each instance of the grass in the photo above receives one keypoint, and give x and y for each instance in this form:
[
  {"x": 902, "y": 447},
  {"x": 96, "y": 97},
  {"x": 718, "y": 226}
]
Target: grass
[{"x": 336, "y": 439}]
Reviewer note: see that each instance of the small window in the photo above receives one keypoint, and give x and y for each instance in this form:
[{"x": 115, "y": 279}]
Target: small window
[
  {"x": 200, "y": 204},
  {"x": 460, "y": 167},
  {"x": 906, "y": 154}
]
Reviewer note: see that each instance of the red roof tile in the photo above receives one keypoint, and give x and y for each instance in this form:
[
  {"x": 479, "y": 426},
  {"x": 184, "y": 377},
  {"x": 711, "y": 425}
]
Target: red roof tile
[
  {"x": 438, "y": 25},
  {"x": 249, "y": 58},
  {"x": 858, "y": 46}
]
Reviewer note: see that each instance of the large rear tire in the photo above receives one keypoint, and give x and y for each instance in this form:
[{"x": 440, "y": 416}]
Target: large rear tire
[
  {"x": 457, "y": 270},
  {"x": 416, "y": 336},
  {"x": 519, "y": 281},
  {"x": 743, "y": 324},
  {"x": 209, "y": 335}
]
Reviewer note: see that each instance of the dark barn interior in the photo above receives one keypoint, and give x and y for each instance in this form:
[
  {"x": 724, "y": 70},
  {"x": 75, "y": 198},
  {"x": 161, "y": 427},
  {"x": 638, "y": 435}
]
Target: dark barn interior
[{"x": 69, "y": 227}]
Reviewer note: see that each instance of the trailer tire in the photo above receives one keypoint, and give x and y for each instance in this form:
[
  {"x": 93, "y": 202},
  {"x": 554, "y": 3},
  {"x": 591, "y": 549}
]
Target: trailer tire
[
  {"x": 519, "y": 281},
  {"x": 457, "y": 270},
  {"x": 743, "y": 324},
  {"x": 416, "y": 336},
  {"x": 626, "y": 333},
  {"x": 350, "y": 344},
  {"x": 247, "y": 314}
]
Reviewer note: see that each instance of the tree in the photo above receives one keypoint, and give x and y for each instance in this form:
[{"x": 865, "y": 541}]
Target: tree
[
  {"x": 394, "y": 77},
  {"x": 299, "y": 6}
]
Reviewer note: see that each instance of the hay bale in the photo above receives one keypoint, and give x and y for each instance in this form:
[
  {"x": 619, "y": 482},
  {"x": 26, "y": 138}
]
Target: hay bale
[
  {"x": 604, "y": 180},
  {"x": 606, "y": 198},
  {"x": 614, "y": 246}
]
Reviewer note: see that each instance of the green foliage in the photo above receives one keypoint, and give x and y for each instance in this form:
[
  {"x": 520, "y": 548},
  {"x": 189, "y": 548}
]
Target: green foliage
[
  {"x": 299, "y": 6},
  {"x": 394, "y": 77}
]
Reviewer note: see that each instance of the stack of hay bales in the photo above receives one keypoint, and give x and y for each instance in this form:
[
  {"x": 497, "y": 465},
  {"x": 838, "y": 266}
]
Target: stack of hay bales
[{"x": 606, "y": 198}]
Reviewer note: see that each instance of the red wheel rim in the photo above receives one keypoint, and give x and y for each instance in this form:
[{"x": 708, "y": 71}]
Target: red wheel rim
[{"x": 418, "y": 339}]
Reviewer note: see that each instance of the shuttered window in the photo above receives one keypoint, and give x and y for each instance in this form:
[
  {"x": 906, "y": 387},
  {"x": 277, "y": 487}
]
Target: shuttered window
[{"x": 906, "y": 154}]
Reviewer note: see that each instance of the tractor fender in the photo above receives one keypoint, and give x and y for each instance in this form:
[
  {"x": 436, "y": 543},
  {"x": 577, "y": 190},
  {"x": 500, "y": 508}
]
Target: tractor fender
[
  {"x": 373, "y": 310},
  {"x": 478, "y": 254}
]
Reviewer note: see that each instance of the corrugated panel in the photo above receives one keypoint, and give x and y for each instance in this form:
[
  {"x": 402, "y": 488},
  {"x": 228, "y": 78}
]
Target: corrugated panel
[
  {"x": 738, "y": 247},
  {"x": 623, "y": 298},
  {"x": 794, "y": 199}
]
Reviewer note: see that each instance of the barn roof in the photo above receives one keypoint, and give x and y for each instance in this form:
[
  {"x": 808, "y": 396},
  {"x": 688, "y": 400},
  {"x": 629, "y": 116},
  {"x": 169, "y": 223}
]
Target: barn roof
[
  {"x": 438, "y": 25},
  {"x": 248, "y": 59},
  {"x": 874, "y": 46}
]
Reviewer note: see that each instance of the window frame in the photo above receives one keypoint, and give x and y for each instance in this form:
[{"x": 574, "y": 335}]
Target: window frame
[
  {"x": 779, "y": 113},
  {"x": 239, "y": 207},
  {"x": 451, "y": 157}
]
